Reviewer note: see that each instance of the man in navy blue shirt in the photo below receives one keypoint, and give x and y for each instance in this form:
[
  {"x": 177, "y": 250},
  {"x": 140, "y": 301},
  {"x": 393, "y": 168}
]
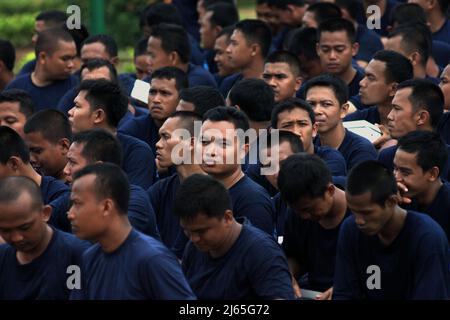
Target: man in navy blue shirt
[
  {"x": 297, "y": 116},
  {"x": 52, "y": 76},
  {"x": 15, "y": 161},
  {"x": 249, "y": 46},
  {"x": 16, "y": 107},
  {"x": 162, "y": 193},
  {"x": 48, "y": 136},
  {"x": 436, "y": 13},
  {"x": 418, "y": 162},
  {"x": 7, "y": 60},
  {"x": 384, "y": 251},
  {"x": 101, "y": 104},
  {"x": 98, "y": 145},
  {"x": 318, "y": 209},
  {"x": 124, "y": 263},
  {"x": 34, "y": 264},
  {"x": 336, "y": 48},
  {"x": 168, "y": 45},
  {"x": 327, "y": 95},
  {"x": 221, "y": 59},
  {"x": 224, "y": 145},
  {"x": 444, "y": 124},
  {"x": 224, "y": 258},
  {"x": 382, "y": 75},
  {"x": 163, "y": 99}
]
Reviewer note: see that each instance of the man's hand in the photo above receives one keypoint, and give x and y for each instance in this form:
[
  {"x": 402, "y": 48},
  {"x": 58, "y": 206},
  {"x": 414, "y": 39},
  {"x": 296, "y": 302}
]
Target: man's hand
[
  {"x": 325, "y": 295},
  {"x": 385, "y": 136},
  {"x": 401, "y": 190},
  {"x": 297, "y": 291}
]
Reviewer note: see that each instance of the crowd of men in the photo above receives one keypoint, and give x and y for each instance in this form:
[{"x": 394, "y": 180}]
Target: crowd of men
[{"x": 106, "y": 196}]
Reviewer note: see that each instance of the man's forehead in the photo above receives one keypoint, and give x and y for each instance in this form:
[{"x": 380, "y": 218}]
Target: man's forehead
[{"x": 162, "y": 83}]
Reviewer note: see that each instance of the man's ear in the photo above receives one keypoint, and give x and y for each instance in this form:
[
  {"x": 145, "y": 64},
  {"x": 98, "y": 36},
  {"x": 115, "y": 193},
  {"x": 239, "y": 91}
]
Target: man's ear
[
  {"x": 392, "y": 201},
  {"x": 344, "y": 109},
  {"x": 423, "y": 117},
  {"x": 14, "y": 163},
  {"x": 392, "y": 89},
  {"x": 63, "y": 145},
  {"x": 434, "y": 174},
  {"x": 255, "y": 49},
  {"x": 315, "y": 128},
  {"x": 298, "y": 83},
  {"x": 99, "y": 116},
  {"x": 46, "y": 212},
  {"x": 228, "y": 216},
  {"x": 174, "y": 58},
  {"x": 355, "y": 49},
  {"x": 115, "y": 61},
  {"x": 42, "y": 57}
]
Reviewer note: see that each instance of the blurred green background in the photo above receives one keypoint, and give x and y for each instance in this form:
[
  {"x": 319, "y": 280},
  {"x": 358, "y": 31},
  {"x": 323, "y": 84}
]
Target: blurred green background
[{"x": 121, "y": 20}]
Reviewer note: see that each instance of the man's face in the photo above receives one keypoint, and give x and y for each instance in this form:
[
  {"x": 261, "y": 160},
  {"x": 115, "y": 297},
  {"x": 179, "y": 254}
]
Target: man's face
[
  {"x": 75, "y": 161},
  {"x": 291, "y": 16},
  {"x": 370, "y": 217},
  {"x": 158, "y": 57},
  {"x": 86, "y": 212},
  {"x": 267, "y": 15},
  {"x": 239, "y": 51},
  {"x": 314, "y": 209},
  {"x": 336, "y": 51},
  {"x": 81, "y": 117},
  {"x": 142, "y": 66},
  {"x": 284, "y": 151},
  {"x": 163, "y": 98},
  {"x": 374, "y": 89},
  {"x": 46, "y": 157},
  {"x": 11, "y": 116},
  {"x": 222, "y": 58},
  {"x": 402, "y": 118},
  {"x": 207, "y": 233},
  {"x": 95, "y": 50},
  {"x": 60, "y": 64},
  {"x": 95, "y": 74},
  {"x": 326, "y": 106},
  {"x": 22, "y": 226},
  {"x": 298, "y": 121},
  {"x": 169, "y": 138},
  {"x": 409, "y": 173},
  {"x": 309, "y": 68},
  {"x": 283, "y": 82},
  {"x": 185, "y": 106},
  {"x": 220, "y": 148},
  {"x": 444, "y": 85},
  {"x": 208, "y": 32}
]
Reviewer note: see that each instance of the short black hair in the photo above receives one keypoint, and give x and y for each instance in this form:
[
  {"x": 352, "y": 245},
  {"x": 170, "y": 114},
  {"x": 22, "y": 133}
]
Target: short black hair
[
  {"x": 236, "y": 117},
  {"x": 335, "y": 25},
  {"x": 289, "y": 105},
  {"x": 254, "y": 97},
  {"x": 53, "y": 17},
  {"x": 186, "y": 120},
  {"x": 7, "y": 54},
  {"x": 430, "y": 148},
  {"x": 173, "y": 39},
  {"x": 283, "y": 4},
  {"x": 110, "y": 182},
  {"x": 427, "y": 95},
  {"x": 353, "y": 7},
  {"x": 163, "y": 13},
  {"x": 398, "y": 67},
  {"x": 374, "y": 177},
  {"x": 26, "y": 104},
  {"x": 406, "y": 13},
  {"x": 227, "y": 31},
  {"x": 201, "y": 194},
  {"x": 223, "y": 14},
  {"x": 108, "y": 96},
  {"x": 303, "y": 175},
  {"x": 285, "y": 136},
  {"x": 331, "y": 81},
  {"x": 208, "y": 3},
  {"x": 99, "y": 145},
  {"x": 11, "y": 188},
  {"x": 52, "y": 124},
  {"x": 282, "y": 56},
  {"x": 203, "y": 98},
  {"x": 108, "y": 42},
  {"x": 324, "y": 11},
  {"x": 12, "y": 145},
  {"x": 140, "y": 49},
  {"x": 169, "y": 73},
  {"x": 303, "y": 43},
  {"x": 256, "y": 31},
  {"x": 78, "y": 35},
  {"x": 99, "y": 63},
  {"x": 415, "y": 37},
  {"x": 49, "y": 39}
]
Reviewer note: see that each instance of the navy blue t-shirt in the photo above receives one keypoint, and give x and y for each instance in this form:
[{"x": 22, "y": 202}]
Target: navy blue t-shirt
[
  {"x": 386, "y": 156},
  {"x": 228, "y": 83},
  {"x": 51, "y": 189},
  {"x": 141, "y": 268},
  {"x": 369, "y": 43},
  {"x": 443, "y": 34},
  {"x": 45, "y": 277},
  {"x": 143, "y": 128},
  {"x": 44, "y": 97},
  {"x": 253, "y": 268},
  {"x": 444, "y": 127},
  {"x": 353, "y": 86},
  {"x": 333, "y": 158},
  {"x": 27, "y": 67},
  {"x": 370, "y": 114},
  {"x": 414, "y": 266},
  {"x": 252, "y": 201},
  {"x": 198, "y": 76},
  {"x": 138, "y": 161},
  {"x": 441, "y": 53}
]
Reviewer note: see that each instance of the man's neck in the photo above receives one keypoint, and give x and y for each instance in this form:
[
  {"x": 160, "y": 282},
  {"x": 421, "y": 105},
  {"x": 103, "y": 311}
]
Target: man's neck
[
  {"x": 420, "y": 71},
  {"x": 430, "y": 193},
  {"x": 384, "y": 109},
  {"x": 254, "y": 70},
  {"x": 5, "y": 79},
  {"x": 39, "y": 78},
  {"x": 116, "y": 234},
  {"x": 392, "y": 228},
  {"x": 158, "y": 123},
  {"x": 186, "y": 170},
  {"x": 28, "y": 171},
  {"x": 183, "y": 66},
  {"x": 310, "y": 149},
  {"x": 348, "y": 75},
  {"x": 334, "y": 137},
  {"x": 231, "y": 179},
  {"x": 337, "y": 212},
  {"x": 229, "y": 241},
  {"x": 436, "y": 20},
  {"x": 258, "y": 126},
  {"x": 27, "y": 257}
]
